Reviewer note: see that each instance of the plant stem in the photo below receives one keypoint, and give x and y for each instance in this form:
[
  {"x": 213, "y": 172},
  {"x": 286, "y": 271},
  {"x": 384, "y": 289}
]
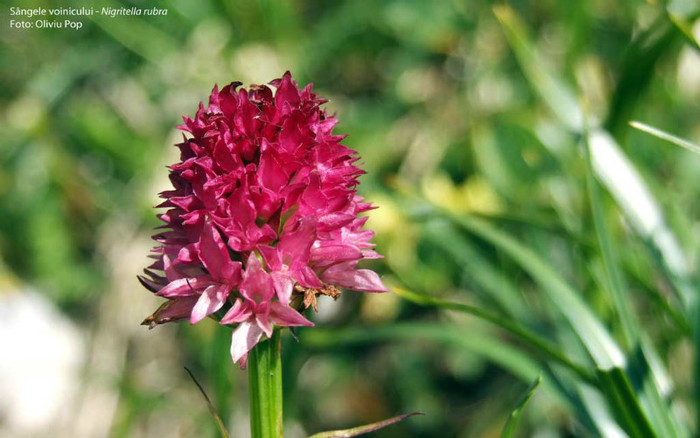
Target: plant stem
[{"x": 265, "y": 388}]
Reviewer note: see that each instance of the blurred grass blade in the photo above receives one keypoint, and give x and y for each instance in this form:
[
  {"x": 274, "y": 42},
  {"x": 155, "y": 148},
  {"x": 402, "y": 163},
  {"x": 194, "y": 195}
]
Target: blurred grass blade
[
  {"x": 139, "y": 36},
  {"x": 630, "y": 192},
  {"x": 590, "y": 330},
  {"x": 541, "y": 345},
  {"x": 624, "y": 402},
  {"x": 666, "y": 136},
  {"x": 481, "y": 271},
  {"x": 554, "y": 92},
  {"x": 613, "y": 276},
  {"x": 657, "y": 377},
  {"x": 514, "y": 418},
  {"x": 210, "y": 405},
  {"x": 634, "y": 198},
  {"x": 476, "y": 341},
  {"x": 636, "y": 71},
  {"x": 685, "y": 30},
  {"x": 361, "y": 430}
]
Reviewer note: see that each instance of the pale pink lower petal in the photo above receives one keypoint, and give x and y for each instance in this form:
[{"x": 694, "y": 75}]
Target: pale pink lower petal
[
  {"x": 286, "y": 316},
  {"x": 238, "y": 313},
  {"x": 244, "y": 339},
  {"x": 211, "y": 300},
  {"x": 263, "y": 322},
  {"x": 184, "y": 287},
  {"x": 284, "y": 286},
  {"x": 243, "y": 361},
  {"x": 257, "y": 284},
  {"x": 363, "y": 280}
]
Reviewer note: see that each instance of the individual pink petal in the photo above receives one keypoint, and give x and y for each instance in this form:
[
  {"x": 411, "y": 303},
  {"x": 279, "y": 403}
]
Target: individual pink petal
[
  {"x": 263, "y": 321},
  {"x": 257, "y": 284},
  {"x": 243, "y": 361},
  {"x": 286, "y": 316},
  {"x": 271, "y": 256},
  {"x": 363, "y": 280},
  {"x": 306, "y": 277},
  {"x": 284, "y": 286},
  {"x": 211, "y": 300},
  {"x": 170, "y": 272},
  {"x": 185, "y": 287},
  {"x": 172, "y": 310},
  {"x": 243, "y": 339},
  {"x": 214, "y": 255},
  {"x": 239, "y": 312},
  {"x": 336, "y": 253},
  {"x": 296, "y": 244}
]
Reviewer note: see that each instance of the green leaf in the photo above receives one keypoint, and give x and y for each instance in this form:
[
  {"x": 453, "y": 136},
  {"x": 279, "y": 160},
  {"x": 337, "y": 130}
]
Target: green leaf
[
  {"x": 361, "y": 430},
  {"x": 515, "y": 415},
  {"x": 625, "y": 404},
  {"x": 666, "y": 136}
]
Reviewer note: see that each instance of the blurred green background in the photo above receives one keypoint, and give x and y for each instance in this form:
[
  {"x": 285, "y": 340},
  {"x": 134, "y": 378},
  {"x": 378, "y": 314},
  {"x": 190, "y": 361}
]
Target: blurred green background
[{"x": 459, "y": 109}]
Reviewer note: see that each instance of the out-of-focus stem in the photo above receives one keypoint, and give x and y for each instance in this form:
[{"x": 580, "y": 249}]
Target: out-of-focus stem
[{"x": 265, "y": 388}]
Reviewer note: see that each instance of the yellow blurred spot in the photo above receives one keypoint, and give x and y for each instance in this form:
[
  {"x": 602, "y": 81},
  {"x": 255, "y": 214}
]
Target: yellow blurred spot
[
  {"x": 25, "y": 113},
  {"x": 386, "y": 217},
  {"x": 379, "y": 307},
  {"x": 474, "y": 195}
]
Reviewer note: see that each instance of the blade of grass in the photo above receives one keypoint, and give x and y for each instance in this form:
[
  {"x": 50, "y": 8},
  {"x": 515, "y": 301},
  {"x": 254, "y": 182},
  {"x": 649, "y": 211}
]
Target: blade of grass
[
  {"x": 616, "y": 283},
  {"x": 684, "y": 28},
  {"x": 554, "y": 92},
  {"x": 590, "y": 330},
  {"x": 544, "y": 347},
  {"x": 666, "y": 136},
  {"x": 515, "y": 415},
  {"x": 635, "y": 199},
  {"x": 210, "y": 405},
  {"x": 480, "y": 270},
  {"x": 361, "y": 430},
  {"x": 609, "y": 161},
  {"x": 616, "y": 386},
  {"x": 618, "y": 289},
  {"x": 476, "y": 341},
  {"x": 637, "y": 70}
]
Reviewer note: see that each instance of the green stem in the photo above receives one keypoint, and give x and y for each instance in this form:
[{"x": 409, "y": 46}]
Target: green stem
[{"x": 265, "y": 388}]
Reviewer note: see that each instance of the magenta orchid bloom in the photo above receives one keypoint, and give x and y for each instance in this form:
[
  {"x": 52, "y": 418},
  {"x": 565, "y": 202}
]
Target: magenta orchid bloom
[{"x": 263, "y": 209}]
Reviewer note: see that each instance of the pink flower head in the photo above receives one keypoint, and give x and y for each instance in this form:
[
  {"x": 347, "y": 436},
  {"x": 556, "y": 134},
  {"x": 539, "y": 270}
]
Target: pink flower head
[{"x": 263, "y": 215}]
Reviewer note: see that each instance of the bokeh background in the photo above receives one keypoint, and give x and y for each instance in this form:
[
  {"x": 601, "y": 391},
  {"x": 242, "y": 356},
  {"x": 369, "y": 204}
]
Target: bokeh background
[{"x": 460, "y": 109}]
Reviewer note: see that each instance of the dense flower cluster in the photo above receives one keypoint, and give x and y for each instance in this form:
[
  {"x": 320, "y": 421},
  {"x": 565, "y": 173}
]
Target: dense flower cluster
[{"x": 263, "y": 216}]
